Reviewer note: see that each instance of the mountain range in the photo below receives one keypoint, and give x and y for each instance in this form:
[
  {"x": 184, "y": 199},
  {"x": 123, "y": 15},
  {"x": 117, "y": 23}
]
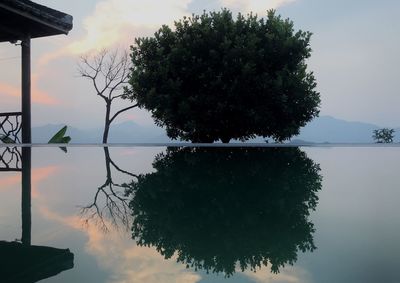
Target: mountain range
[{"x": 324, "y": 129}]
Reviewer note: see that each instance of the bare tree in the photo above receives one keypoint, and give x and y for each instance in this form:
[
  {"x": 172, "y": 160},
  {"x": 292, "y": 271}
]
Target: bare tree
[{"x": 109, "y": 72}]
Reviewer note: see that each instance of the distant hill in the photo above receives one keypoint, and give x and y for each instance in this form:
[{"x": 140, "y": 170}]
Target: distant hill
[
  {"x": 327, "y": 129},
  {"x": 126, "y": 132},
  {"x": 321, "y": 130},
  {"x": 332, "y": 130}
]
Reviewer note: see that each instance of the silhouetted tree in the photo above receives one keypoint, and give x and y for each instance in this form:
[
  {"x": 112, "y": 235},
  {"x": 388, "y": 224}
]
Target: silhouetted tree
[
  {"x": 221, "y": 208},
  {"x": 213, "y": 77},
  {"x": 384, "y": 135},
  {"x": 108, "y": 71}
]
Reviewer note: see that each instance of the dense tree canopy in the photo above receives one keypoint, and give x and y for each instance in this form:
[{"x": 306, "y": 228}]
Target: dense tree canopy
[
  {"x": 384, "y": 135},
  {"x": 217, "y": 209},
  {"x": 216, "y": 77}
]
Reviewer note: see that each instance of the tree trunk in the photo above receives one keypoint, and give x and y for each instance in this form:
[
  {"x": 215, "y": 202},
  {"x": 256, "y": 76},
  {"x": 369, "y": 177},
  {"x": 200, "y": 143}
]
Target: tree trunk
[
  {"x": 108, "y": 162},
  {"x": 107, "y": 122},
  {"x": 225, "y": 140}
]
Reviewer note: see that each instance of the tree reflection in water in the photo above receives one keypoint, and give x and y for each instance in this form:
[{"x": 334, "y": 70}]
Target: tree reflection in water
[
  {"x": 110, "y": 204},
  {"x": 219, "y": 209}
]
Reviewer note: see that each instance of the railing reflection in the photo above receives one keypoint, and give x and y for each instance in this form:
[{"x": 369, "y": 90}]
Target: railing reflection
[
  {"x": 10, "y": 159},
  {"x": 22, "y": 261}
]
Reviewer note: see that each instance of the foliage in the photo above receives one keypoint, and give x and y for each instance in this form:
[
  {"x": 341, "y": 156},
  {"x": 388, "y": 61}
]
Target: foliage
[
  {"x": 219, "y": 208},
  {"x": 60, "y": 137},
  {"x": 6, "y": 139},
  {"x": 384, "y": 135},
  {"x": 215, "y": 77}
]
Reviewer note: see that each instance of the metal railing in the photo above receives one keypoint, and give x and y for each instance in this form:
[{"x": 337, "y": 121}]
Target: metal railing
[{"x": 11, "y": 126}]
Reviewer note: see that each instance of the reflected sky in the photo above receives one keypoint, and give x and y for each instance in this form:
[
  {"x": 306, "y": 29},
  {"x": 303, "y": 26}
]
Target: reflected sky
[{"x": 356, "y": 220}]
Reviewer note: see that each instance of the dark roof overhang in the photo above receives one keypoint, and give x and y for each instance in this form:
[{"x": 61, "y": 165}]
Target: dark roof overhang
[{"x": 22, "y": 18}]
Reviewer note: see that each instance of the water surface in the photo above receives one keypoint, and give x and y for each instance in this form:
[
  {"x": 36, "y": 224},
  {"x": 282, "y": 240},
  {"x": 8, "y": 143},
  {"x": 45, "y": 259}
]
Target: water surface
[{"x": 157, "y": 214}]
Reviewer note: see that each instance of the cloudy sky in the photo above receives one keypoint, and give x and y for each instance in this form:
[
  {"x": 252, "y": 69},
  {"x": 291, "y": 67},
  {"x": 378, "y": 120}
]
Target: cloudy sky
[{"x": 355, "y": 55}]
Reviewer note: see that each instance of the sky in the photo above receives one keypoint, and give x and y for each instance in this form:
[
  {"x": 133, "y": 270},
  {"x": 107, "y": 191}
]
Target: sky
[{"x": 355, "y": 55}]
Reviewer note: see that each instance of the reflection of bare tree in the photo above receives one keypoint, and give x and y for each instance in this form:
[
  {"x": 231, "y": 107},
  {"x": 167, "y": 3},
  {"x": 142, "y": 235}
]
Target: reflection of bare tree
[{"x": 110, "y": 204}]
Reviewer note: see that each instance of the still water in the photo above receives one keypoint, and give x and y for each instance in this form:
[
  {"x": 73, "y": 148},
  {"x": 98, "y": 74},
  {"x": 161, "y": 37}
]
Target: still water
[{"x": 157, "y": 214}]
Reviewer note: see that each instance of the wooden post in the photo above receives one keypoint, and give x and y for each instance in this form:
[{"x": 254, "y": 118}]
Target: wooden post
[
  {"x": 26, "y": 138},
  {"x": 26, "y": 196},
  {"x": 26, "y": 90}
]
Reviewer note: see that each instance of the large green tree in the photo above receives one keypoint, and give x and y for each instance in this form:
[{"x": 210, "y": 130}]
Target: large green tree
[{"x": 217, "y": 77}]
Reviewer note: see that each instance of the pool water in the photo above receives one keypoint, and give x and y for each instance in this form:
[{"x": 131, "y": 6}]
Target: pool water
[{"x": 200, "y": 214}]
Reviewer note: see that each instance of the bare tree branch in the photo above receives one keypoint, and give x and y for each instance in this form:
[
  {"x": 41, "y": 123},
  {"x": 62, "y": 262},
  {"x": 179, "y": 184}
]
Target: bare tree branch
[
  {"x": 122, "y": 110},
  {"x": 109, "y": 73},
  {"x": 121, "y": 170}
]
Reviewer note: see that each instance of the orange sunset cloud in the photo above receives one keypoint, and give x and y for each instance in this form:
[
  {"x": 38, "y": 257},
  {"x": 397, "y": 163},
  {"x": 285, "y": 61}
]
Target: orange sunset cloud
[
  {"x": 38, "y": 96},
  {"x": 7, "y": 181},
  {"x": 38, "y": 175},
  {"x": 115, "y": 21},
  {"x": 126, "y": 261}
]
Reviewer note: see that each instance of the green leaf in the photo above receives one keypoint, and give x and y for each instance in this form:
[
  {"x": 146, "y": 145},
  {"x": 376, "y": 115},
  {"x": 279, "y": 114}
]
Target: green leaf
[
  {"x": 6, "y": 139},
  {"x": 60, "y": 137}
]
